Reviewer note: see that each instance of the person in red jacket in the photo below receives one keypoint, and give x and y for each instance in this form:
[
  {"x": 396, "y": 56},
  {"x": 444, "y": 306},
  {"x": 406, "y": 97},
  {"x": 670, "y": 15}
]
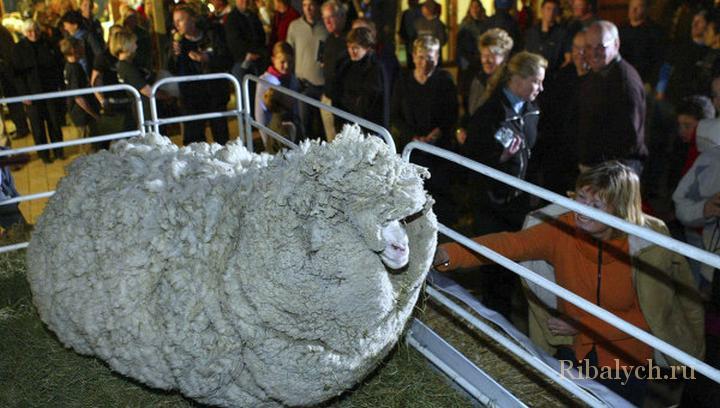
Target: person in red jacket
[{"x": 284, "y": 15}]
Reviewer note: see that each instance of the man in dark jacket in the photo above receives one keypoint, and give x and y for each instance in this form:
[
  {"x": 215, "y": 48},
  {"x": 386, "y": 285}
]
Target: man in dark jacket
[
  {"x": 195, "y": 52},
  {"x": 642, "y": 42},
  {"x": 333, "y": 16},
  {"x": 245, "y": 40},
  {"x": 503, "y": 19},
  {"x": 37, "y": 67},
  {"x": 547, "y": 37},
  {"x": 611, "y": 117}
]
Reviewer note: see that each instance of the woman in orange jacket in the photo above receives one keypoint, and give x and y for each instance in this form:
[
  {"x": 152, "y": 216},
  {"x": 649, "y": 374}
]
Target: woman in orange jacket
[{"x": 644, "y": 284}]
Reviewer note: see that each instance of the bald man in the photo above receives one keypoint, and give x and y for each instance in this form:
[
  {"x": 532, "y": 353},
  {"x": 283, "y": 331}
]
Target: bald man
[{"x": 611, "y": 116}]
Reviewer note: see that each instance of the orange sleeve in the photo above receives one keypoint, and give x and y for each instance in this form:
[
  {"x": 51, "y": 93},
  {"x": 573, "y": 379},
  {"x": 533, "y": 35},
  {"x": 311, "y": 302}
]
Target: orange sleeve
[{"x": 537, "y": 242}]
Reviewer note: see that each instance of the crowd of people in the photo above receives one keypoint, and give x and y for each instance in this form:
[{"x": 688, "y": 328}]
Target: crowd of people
[{"x": 567, "y": 100}]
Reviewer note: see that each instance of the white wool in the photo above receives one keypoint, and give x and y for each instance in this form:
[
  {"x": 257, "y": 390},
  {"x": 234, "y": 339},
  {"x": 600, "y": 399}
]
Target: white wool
[{"x": 236, "y": 278}]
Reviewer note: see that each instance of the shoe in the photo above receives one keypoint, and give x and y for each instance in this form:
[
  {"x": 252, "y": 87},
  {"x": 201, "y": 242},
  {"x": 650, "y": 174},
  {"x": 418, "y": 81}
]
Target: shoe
[{"x": 46, "y": 159}]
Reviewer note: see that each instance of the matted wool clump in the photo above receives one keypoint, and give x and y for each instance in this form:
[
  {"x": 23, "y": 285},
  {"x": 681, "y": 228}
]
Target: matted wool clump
[{"x": 238, "y": 279}]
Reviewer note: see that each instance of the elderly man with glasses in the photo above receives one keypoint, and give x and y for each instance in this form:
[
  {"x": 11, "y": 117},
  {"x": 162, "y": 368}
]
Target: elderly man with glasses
[{"x": 611, "y": 116}]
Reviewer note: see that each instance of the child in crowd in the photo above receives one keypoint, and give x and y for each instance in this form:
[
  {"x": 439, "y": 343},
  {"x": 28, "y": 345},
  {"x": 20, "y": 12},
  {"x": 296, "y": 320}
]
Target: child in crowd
[
  {"x": 84, "y": 109},
  {"x": 690, "y": 112},
  {"x": 275, "y": 110}
]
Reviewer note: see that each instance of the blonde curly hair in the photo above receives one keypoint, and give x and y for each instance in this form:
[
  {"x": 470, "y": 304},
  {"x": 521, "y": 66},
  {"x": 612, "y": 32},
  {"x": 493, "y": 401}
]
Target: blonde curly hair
[{"x": 497, "y": 40}]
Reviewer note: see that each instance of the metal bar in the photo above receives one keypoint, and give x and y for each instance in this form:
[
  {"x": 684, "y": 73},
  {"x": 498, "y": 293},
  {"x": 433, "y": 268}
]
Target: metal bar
[
  {"x": 583, "y": 304},
  {"x": 462, "y": 371},
  {"x": 189, "y": 118},
  {"x": 644, "y": 233},
  {"x": 247, "y": 102},
  {"x": 29, "y": 197},
  {"x": 155, "y": 121},
  {"x": 381, "y": 131},
  {"x": 13, "y": 247},
  {"x": 72, "y": 92},
  {"x": 515, "y": 349},
  {"x": 275, "y": 135},
  {"x": 87, "y": 140},
  {"x": 84, "y": 91}
]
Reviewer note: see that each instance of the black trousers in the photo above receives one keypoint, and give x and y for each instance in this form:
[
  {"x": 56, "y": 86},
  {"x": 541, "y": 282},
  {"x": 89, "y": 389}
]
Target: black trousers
[
  {"x": 311, "y": 123},
  {"x": 194, "y": 131},
  {"x": 19, "y": 118},
  {"x": 46, "y": 113}
]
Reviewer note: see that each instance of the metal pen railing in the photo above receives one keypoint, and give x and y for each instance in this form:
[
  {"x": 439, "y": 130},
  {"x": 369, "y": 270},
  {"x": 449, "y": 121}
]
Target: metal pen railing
[
  {"x": 246, "y": 123},
  {"x": 250, "y": 121},
  {"x": 77, "y": 92},
  {"x": 556, "y": 289},
  {"x": 140, "y": 119},
  {"x": 155, "y": 122}
]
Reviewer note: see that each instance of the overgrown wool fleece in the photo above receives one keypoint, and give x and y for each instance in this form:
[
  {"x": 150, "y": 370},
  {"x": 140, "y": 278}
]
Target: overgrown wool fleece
[{"x": 238, "y": 279}]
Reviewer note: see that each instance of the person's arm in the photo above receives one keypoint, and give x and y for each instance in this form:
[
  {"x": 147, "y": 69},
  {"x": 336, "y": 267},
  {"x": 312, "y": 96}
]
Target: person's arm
[
  {"x": 21, "y": 70},
  {"x": 633, "y": 118},
  {"x": 129, "y": 74},
  {"x": 480, "y": 144},
  {"x": 82, "y": 103},
  {"x": 147, "y": 91},
  {"x": 533, "y": 243},
  {"x": 95, "y": 81},
  {"x": 220, "y": 59},
  {"x": 689, "y": 205},
  {"x": 371, "y": 102},
  {"x": 74, "y": 80},
  {"x": 397, "y": 113},
  {"x": 262, "y": 113},
  {"x": 97, "y": 45},
  {"x": 448, "y": 106}
]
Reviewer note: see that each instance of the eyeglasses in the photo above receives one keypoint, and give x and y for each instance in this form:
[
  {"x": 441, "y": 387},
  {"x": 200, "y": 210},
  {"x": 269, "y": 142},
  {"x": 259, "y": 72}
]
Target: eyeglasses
[{"x": 599, "y": 47}]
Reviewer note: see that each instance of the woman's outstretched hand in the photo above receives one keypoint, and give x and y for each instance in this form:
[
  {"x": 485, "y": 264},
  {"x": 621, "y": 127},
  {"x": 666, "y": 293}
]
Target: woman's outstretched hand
[{"x": 441, "y": 261}]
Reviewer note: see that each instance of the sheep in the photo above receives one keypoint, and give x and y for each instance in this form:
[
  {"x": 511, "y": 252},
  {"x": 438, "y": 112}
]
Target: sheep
[{"x": 238, "y": 279}]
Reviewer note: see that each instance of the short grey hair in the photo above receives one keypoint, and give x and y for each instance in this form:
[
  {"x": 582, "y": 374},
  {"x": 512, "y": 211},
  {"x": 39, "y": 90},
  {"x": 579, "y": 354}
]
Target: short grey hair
[
  {"x": 426, "y": 43},
  {"x": 337, "y": 8}
]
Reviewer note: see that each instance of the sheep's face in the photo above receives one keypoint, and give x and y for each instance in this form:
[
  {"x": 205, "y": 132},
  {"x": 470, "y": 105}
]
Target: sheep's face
[
  {"x": 361, "y": 181},
  {"x": 396, "y": 253}
]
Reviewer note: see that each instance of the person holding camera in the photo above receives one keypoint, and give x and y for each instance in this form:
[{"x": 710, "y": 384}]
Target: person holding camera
[{"x": 501, "y": 134}]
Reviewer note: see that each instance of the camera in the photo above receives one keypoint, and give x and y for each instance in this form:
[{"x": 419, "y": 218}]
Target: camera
[{"x": 504, "y": 136}]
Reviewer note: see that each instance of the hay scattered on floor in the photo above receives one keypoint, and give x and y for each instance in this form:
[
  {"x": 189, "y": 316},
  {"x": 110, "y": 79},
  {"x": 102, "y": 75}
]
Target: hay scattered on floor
[{"x": 518, "y": 377}]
